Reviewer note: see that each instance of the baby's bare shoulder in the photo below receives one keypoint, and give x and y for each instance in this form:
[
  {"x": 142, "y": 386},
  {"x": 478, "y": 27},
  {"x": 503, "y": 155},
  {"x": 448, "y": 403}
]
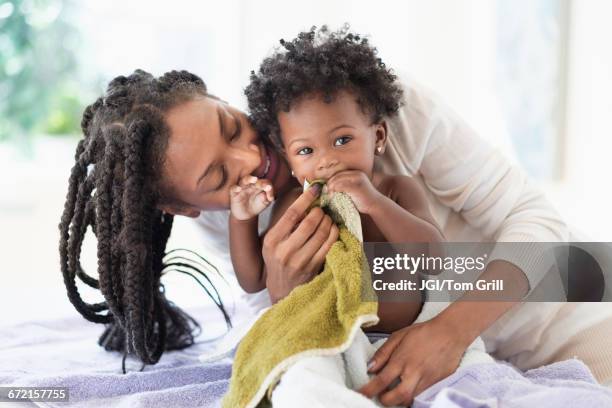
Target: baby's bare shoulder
[
  {"x": 405, "y": 191},
  {"x": 395, "y": 185}
]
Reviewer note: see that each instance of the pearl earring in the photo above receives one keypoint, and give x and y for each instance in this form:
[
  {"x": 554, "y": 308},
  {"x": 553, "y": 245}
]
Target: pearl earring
[
  {"x": 379, "y": 149},
  {"x": 292, "y": 173}
]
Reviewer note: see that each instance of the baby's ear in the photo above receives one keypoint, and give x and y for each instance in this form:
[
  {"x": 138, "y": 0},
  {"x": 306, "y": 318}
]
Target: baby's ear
[{"x": 381, "y": 136}]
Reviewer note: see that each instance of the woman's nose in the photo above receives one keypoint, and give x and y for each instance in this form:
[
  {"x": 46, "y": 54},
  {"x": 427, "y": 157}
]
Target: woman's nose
[{"x": 247, "y": 158}]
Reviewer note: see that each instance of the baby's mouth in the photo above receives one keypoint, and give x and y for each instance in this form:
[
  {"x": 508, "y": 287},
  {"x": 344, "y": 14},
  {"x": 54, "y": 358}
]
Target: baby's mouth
[{"x": 310, "y": 183}]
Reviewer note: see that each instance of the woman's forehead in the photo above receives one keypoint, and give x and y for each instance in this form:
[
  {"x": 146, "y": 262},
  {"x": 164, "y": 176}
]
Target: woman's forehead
[
  {"x": 193, "y": 118},
  {"x": 194, "y": 133}
]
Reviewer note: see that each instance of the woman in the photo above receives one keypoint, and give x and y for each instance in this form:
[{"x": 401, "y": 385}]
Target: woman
[{"x": 158, "y": 147}]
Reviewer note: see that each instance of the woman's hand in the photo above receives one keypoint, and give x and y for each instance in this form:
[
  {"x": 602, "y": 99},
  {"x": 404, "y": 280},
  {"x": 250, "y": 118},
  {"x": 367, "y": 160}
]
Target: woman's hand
[
  {"x": 417, "y": 356},
  {"x": 358, "y": 186},
  {"x": 294, "y": 249},
  {"x": 425, "y": 353}
]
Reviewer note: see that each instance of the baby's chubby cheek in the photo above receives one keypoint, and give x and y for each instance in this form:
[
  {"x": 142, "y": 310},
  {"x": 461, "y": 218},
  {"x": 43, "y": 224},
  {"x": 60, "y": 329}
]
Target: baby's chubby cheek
[
  {"x": 302, "y": 179},
  {"x": 299, "y": 173}
]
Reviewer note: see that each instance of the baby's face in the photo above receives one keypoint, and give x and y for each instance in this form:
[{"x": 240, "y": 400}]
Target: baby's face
[{"x": 321, "y": 139}]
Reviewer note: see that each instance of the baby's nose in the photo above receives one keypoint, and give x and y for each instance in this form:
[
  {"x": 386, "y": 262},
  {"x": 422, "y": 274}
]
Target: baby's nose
[{"x": 327, "y": 167}]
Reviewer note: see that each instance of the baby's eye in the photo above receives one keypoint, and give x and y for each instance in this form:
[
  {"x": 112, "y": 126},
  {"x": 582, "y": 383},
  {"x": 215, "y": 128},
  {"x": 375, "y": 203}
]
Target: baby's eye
[
  {"x": 304, "y": 150},
  {"x": 342, "y": 140}
]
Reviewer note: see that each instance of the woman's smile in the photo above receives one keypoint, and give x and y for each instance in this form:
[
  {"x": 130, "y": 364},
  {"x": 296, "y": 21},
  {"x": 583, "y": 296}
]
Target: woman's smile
[{"x": 268, "y": 167}]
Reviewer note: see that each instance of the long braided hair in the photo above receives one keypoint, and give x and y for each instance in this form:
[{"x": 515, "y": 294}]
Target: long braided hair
[{"x": 114, "y": 188}]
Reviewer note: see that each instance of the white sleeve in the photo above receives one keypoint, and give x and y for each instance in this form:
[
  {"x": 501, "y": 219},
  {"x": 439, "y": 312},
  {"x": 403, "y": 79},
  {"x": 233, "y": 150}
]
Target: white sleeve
[
  {"x": 471, "y": 177},
  {"x": 214, "y": 234}
]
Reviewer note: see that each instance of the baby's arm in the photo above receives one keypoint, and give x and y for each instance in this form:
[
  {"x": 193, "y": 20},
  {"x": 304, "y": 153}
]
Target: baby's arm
[
  {"x": 245, "y": 249},
  {"x": 404, "y": 215},
  {"x": 246, "y": 202}
]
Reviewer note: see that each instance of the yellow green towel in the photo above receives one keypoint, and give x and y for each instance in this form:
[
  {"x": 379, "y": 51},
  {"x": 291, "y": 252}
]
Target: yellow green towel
[{"x": 318, "y": 318}]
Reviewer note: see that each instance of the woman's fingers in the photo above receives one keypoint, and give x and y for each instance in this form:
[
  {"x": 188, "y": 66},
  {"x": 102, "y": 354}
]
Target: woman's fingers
[
  {"x": 425, "y": 382},
  {"x": 311, "y": 245},
  {"x": 379, "y": 363},
  {"x": 381, "y": 382},
  {"x": 381, "y": 356},
  {"x": 332, "y": 237},
  {"x": 403, "y": 393},
  {"x": 293, "y": 215},
  {"x": 307, "y": 227},
  {"x": 312, "y": 248},
  {"x": 316, "y": 262}
]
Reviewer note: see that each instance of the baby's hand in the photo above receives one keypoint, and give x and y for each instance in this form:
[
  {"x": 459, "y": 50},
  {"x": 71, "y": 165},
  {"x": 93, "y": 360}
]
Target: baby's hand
[
  {"x": 250, "y": 197},
  {"x": 358, "y": 186}
]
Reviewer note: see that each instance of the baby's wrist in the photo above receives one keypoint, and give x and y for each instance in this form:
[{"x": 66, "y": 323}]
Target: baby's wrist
[
  {"x": 377, "y": 206},
  {"x": 243, "y": 219}
]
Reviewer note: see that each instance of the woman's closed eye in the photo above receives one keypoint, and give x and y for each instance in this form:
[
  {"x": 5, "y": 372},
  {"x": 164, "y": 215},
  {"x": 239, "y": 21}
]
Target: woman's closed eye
[
  {"x": 234, "y": 128},
  {"x": 223, "y": 180},
  {"x": 237, "y": 129},
  {"x": 218, "y": 178}
]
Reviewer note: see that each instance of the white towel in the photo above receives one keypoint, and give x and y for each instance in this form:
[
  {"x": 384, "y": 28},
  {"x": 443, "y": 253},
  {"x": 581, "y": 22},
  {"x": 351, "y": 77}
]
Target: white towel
[{"x": 332, "y": 381}]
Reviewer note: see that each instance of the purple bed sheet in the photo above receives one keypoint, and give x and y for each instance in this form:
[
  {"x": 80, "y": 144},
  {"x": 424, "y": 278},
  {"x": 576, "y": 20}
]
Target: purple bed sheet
[{"x": 65, "y": 353}]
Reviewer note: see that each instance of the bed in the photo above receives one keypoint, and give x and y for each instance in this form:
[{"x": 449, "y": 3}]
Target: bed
[{"x": 64, "y": 353}]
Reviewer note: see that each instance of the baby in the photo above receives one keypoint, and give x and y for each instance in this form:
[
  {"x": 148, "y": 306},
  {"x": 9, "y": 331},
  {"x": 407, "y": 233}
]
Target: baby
[{"x": 330, "y": 130}]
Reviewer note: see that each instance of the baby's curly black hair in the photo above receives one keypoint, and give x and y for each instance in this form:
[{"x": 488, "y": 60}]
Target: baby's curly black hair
[{"x": 323, "y": 61}]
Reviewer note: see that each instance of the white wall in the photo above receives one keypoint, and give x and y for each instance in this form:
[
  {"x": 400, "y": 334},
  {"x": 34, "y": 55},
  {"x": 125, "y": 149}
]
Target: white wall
[
  {"x": 585, "y": 196},
  {"x": 447, "y": 45}
]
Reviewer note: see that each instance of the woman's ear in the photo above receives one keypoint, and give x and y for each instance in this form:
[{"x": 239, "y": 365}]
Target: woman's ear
[
  {"x": 185, "y": 211},
  {"x": 381, "y": 137}
]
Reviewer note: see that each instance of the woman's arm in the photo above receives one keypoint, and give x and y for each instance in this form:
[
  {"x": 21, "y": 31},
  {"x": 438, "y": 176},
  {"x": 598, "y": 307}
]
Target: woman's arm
[{"x": 466, "y": 174}]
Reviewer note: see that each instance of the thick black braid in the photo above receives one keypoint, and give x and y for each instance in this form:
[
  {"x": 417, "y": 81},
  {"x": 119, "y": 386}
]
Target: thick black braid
[
  {"x": 137, "y": 233},
  {"x": 113, "y": 188},
  {"x": 104, "y": 200},
  {"x": 90, "y": 214},
  {"x": 69, "y": 263}
]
